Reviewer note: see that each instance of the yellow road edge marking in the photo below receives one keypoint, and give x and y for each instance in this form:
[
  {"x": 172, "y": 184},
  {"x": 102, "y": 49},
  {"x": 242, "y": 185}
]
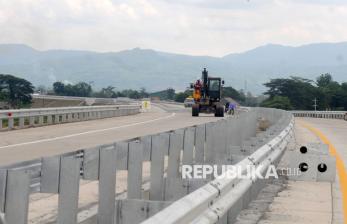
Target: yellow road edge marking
[{"x": 340, "y": 166}]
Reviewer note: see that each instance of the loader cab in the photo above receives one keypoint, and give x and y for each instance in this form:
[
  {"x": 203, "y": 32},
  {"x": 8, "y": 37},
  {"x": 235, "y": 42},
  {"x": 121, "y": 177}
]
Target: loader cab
[{"x": 214, "y": 88}]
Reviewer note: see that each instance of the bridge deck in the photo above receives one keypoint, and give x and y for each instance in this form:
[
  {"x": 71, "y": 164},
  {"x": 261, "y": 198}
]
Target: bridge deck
[
  {"x": 310, "y": 202},
  {"x": 27, "y": 144}
]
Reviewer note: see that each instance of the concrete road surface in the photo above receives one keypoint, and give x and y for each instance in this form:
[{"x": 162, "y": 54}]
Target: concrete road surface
[
  {"x": 27, "y": 144},
  {"x": 334, "y": 130},
  {"x": 335, "y": 133},
  {"x": 314, "y": 202}
]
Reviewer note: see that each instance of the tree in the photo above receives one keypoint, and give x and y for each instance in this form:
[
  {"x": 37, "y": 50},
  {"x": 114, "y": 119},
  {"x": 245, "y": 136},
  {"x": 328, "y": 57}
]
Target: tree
[
  {"x": 15, "y": 91},
  {"x": 324, "y": 80},
  {"x": 299, "y": 91},
  {"x": 344, "y": 95},
  {"x": 82, "y": 89},
  {"x": 279, "y": 102},
  {"x": 170, "y": 93},
  {"x": 59, "y": 88},
  {"x": 229, "y": 91},
  {"x": 330, "y": 94},
  {"x": 180, "y": 97},
  {"x": 143, "y": 93},
  {"x": 133, "y": 94},
  {"x": 107, "y": 92}
]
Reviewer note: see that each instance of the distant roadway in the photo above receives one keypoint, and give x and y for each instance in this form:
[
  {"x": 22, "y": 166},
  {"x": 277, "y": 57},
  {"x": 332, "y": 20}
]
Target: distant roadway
[{"x": 27, "y": 144}]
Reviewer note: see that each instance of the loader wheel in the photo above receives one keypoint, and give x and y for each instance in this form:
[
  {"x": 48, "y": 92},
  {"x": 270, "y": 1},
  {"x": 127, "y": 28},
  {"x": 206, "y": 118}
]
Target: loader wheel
[
  {"x": 219, "y": 112},
  {"x": 195, "y": 110}
]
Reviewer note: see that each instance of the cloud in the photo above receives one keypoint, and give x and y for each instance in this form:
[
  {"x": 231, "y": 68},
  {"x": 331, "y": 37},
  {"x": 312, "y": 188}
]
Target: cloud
[{"x": 199, "y": 27}]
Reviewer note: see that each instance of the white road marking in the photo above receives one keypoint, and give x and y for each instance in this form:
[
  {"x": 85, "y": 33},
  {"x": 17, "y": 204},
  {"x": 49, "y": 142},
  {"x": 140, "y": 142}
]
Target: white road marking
[{"x": 87, "y": 132}]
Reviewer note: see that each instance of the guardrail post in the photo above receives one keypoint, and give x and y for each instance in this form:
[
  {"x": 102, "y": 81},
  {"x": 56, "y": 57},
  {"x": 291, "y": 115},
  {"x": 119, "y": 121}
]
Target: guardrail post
[
  {"x": 135, "y": 170},
  {"x": 63, "y": 118},
  {"x": 156, "y": 191},
  {"x": 69, "y": 117},
  {"x": 41, "y": 120},
  {"x": 80, "y": 116},
  {"x": 17, "y": 197},
  {"x": 147, "y": 147},
  {"x": 49, "y": 119},
  {"x": 3, "y": 177},
  {"x": 122, "y": 151},
  {"x": 0, "y": 124},
  {"x": 50, "y": 171},
  {"x": 57, "y": 118},
  {"x": 91, "y": 164},
  {"x": 21, "y": 122},
  {"x": 173, "y": 184},
  {"x": 68, "y": 190},
  {"x": 107, "y": 182},
  {"x": 10, "y": 123},
  {"x": 84, "y": 116},
  {"x": 88, "y": 115},
  {"x": 31, "y": 121}
]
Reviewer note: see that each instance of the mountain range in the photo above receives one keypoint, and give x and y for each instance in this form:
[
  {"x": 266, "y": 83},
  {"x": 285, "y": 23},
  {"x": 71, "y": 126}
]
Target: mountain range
[{"x": 157, "y": 70}]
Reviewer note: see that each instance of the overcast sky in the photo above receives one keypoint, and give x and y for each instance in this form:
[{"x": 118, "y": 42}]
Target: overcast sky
[{"x": 197, "y": 27}]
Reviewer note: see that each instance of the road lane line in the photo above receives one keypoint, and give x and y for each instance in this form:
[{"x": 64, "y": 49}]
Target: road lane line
[
  {"x": 87, "y": 132},
  {"x": 339, "y": 165}
]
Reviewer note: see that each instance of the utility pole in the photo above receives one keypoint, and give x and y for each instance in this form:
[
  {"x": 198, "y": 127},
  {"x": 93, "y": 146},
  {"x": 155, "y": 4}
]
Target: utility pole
[
  {"x": 246, "y": 99},
  {"x": 315, "y": 104}
]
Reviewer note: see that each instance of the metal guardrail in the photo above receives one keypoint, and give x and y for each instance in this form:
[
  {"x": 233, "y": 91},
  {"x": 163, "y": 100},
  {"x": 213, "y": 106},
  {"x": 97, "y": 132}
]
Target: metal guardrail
[
  {"x": 321, "y": 114},
  {"x": 228, "y": 141},
  {"x": 23, "y": 118}
]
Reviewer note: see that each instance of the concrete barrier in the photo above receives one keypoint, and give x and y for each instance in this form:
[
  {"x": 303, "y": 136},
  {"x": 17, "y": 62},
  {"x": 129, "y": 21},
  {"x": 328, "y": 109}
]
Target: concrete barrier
[
  {"x": 217, "y": 201},
  {"x": 87, "y": 100},
  {"x": 24, "y": 118},
  {"x": 170, "y": 199}
]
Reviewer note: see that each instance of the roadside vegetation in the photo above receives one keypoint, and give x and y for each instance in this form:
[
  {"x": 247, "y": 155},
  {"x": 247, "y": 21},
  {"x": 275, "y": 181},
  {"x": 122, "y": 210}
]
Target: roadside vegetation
[
  {"x": 15, "y": 92},
  {"x": 292, "y": 93},
  {"x": 83, "y": 89},
  {"x": 296, "y": 93},
  {"x": 228, "y": 91}
]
